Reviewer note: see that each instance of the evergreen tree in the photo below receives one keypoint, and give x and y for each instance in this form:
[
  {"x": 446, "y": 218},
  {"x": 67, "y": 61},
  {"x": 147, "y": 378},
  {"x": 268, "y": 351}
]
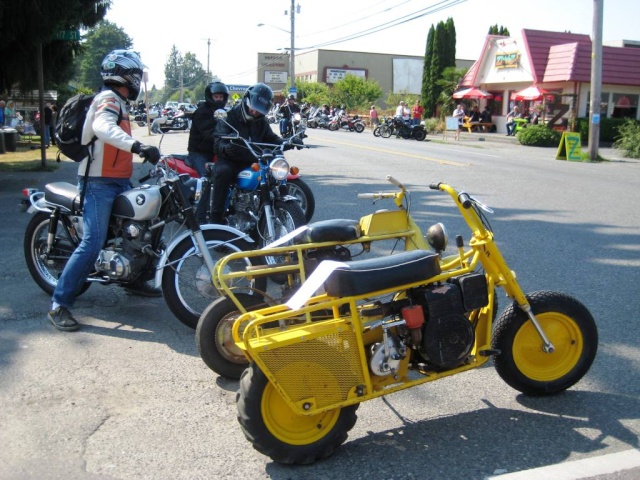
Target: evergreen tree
[
  {"x": 440, "y": 54},
  {"x": 28, "y": 26},
  {"x": 428, "y": 100}
]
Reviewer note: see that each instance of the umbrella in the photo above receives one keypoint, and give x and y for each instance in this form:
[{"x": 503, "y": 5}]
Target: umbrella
[
  {"x": 472, "y": 92},
  {"x": 530, "y": 93}
]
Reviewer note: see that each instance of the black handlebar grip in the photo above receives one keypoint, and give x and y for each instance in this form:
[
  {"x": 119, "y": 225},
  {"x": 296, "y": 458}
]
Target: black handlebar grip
[
  {"x": 464, "y": 199},
  {"x": 144, "y": 179},
  {"x": 434, "y": 186}
]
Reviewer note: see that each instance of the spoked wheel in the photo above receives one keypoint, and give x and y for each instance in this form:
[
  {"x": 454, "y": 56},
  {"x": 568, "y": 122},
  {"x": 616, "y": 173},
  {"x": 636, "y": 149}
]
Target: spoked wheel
[
  {"x": 186, "y": 281},
  {"x": 333, "y": 126},
  {"x": 376, "y": 131},
  {"x": 522, "y": 362},
  {"x": 385, "y": 131},
  {"x": 47, "y": 268},
  {"x": 279, "y": 432},
  {"x": 299, "y": 189},
  {"x": 215, "y": 340},
  {"x": 287, "y": 217}
]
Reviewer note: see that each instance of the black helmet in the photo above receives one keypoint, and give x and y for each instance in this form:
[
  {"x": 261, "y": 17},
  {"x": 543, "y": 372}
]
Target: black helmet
[
  {"x": 123, "y": 68},
  {"x": 216, "y": 87},
  {"x": 258, "y": 97},
  {"x": 291, "y": 96}
]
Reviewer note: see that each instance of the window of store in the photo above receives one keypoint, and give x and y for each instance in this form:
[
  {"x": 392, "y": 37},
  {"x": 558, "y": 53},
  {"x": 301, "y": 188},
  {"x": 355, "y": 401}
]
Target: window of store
[
  {"x": 604, "y": 104},
  {"x": 495, "y": 103},
  {"x": 624, "y": 105}
]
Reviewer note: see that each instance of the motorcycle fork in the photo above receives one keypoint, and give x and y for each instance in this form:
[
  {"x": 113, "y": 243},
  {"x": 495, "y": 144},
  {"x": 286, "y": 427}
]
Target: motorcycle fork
[{"x": 53, "y": 229}]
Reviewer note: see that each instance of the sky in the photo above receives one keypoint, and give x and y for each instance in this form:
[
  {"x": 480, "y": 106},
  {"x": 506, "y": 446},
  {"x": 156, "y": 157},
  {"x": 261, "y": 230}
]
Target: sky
[{"x": 226, "y": 37}]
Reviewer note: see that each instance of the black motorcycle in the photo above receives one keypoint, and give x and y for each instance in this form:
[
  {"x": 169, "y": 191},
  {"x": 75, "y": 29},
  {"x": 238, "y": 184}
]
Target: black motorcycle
[
  {"x": 402, "y": 129},
  {"x": 137, "y": 248}
]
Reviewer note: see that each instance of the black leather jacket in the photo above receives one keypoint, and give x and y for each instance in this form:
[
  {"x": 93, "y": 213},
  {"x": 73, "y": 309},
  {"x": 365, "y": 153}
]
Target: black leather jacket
[
  {"x": 202, "y": 126},
  {"x": 258, "y": 131}
]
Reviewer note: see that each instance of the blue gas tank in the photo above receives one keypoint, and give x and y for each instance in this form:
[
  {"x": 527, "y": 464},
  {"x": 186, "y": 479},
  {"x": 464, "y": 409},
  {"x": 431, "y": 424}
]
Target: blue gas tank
[{"x": 248, "y": 179}]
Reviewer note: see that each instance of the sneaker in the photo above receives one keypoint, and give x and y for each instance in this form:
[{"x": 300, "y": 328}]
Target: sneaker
[
  {"x": 62, "y": 319},
  {"x": 143, "y": 289}
]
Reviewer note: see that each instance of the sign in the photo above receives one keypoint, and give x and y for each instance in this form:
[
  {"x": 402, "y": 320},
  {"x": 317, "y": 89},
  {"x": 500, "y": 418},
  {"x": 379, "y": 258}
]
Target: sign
[
  {"x": 595, "y": 118},
  {"x": 452, "y": 123},
  {"x": 272, "y": 76},
  {"x": 507, "y": 60},
  {"x": 570, "y": 147},
  {"x": 336, "y": 74},
  {"x": 293, "y": 91},
  {"x": 67, "y": 35}
]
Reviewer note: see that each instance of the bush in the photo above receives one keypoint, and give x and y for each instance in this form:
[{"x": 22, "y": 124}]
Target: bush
[
  {"x": 628, "y": 139},
  {"x": 609, "y": 129},
  {"x": 433, "y": 124},
  {"x": 539, "y": 136}
]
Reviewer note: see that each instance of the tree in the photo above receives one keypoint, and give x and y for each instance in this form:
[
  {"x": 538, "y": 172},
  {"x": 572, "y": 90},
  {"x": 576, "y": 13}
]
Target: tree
[
  {"x": 182, "y": 72},
  {"x": 449, "y": 82},
  {"x": 428, "y": 99},
  {"x": 440, "y": 54},
  {"x": 100, "y": 41},
  {"x": 28, "y": 26},
  {"x": 495, "y": 30},
  {"x": 315, "y": 93},
  {"x": 355, "y": 92}
]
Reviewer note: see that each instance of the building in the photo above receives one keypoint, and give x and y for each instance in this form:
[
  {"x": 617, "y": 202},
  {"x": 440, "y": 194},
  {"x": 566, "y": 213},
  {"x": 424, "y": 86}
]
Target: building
[
  {"x": 394, "y": 72},
  {"x": 560, "y": 64}
]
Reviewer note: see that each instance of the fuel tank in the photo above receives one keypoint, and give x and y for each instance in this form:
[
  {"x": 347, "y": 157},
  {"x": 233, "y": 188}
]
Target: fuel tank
[
  {"x": 248, "y": 179},
  {"x": 140, "y": 203}
]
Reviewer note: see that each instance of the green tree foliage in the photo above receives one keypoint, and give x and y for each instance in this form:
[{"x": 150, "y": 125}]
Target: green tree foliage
[
  {"x": 355, "y": 93},
  {"x": 629, "y": 139},
  {"x": 495, "y": 30},
  {"x": 449, "y": 81},
  {"x": 315, "y": 93},
  {"x": 183, "y": 73},
  {"x": 440, "y": 53},
  {"x": 27, "y": 25},
  {"x": 99, "y": 41}
]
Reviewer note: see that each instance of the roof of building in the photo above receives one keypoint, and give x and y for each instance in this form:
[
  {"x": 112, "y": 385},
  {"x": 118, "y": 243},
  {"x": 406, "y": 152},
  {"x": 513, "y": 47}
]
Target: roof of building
[{"x": 566, "y": 57}]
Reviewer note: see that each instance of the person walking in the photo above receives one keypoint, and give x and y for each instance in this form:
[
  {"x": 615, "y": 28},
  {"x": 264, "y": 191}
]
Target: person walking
[
  {"x": 109, "y": 171},
  {"x": 373, "y": 117}
]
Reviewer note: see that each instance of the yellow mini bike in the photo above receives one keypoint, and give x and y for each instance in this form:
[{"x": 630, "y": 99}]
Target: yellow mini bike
[{"x": 386, "y": 324}]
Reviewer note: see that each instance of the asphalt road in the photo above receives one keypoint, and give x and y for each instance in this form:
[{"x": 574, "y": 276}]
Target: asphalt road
[{"x": 128, "y": 397}]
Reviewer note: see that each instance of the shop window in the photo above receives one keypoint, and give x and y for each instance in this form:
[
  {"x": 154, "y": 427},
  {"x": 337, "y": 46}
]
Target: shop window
[
  {"x": 624, "y": 105},
  {"x": 495, "y": 103},
  {"x": 604, "y": 104}
]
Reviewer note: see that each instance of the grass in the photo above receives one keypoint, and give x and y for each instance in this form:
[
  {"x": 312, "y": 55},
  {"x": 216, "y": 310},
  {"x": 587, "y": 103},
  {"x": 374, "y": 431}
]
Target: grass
[{"x": 27, "y": 158}]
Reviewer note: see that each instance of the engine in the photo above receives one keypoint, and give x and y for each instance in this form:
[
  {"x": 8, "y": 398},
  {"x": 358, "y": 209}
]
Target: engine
[
  {"x": 244, "y": 213},
  {"x": 126, "y": 255},
  {"x": 434, "y": 324}
]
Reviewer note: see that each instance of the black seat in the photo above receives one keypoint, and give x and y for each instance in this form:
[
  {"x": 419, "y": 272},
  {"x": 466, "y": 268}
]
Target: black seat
[
  {"x": 365, "y": 276},
  {"x": 334, "y": 230},
  {"x": 64, "y": 195}
]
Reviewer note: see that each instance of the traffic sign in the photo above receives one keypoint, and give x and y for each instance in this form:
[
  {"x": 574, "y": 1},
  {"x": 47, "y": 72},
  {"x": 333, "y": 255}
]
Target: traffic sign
[{"x": 67, "y": 35}]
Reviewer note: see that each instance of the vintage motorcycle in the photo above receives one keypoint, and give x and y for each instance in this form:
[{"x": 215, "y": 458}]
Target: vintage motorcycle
[
  {"x": 296, "y": 126},
  {"x": 137, "y": 247},
  {"x": 404, "y": 130},
  {"x": 296, "y": 186},
  {"x": 396, "y": 322},
  {"x": 350, "y": 124},
  {"x": 170, "y": 120}
]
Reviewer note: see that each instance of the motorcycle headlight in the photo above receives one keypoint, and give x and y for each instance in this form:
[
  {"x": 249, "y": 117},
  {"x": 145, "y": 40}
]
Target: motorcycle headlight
[
  {"x": 297, "y": 117},
  {"x": 279, "y": 168},
  {"x": 437, "y": 237}
]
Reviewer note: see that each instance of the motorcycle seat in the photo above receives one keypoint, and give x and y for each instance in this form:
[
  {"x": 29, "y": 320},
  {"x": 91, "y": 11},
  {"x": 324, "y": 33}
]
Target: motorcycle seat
[
  {"x": 63, "y": 194},
  {"x": 334, "y": 230},
  {"x": 365, "y": 276}
]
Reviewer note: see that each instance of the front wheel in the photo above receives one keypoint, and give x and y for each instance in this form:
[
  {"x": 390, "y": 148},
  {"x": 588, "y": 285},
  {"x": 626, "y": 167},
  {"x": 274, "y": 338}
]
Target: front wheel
[
  {"x": 215, "y": 340},
  {"x": 333, "y": 126},
  {"x": 299, "y": 189},
  {"x": 385, "y": 131},
  {"x": 186, "y": 281},
  {"x": 376, "y": 131},
  {"x": 569, "y": 327},
  {"x": 279, "y": 432}
]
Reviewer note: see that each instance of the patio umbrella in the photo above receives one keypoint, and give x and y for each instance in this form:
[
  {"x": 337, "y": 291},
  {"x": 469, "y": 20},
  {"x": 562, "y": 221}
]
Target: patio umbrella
[
  {"x": 472, "y": 92},
  {"x": 530, "y": 93}
]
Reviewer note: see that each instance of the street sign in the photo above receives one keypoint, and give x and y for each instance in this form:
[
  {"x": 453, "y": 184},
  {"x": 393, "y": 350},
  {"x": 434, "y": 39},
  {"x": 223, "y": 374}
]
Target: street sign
[
  {"x": 67, "y": 35},
  {"x": 293, "y": 91}
]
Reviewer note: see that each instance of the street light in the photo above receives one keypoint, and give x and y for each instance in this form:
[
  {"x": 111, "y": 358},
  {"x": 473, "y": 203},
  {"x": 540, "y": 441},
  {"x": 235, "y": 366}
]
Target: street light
[{"x": 292, "y": 72}]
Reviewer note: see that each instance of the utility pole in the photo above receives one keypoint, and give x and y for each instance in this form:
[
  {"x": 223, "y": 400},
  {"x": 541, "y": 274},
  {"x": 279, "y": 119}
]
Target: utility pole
[
  {"x": 596, "y": 80},
  {"x": 292, "y": 53},
  {"x": 208, "y": 51}
]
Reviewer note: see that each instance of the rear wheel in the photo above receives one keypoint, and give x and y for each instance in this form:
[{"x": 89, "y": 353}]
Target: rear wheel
[
  {"x": 376, "y": 131},
  {"x": 279, "y": 432},
  {"x": 186, "y": 281},
  {"x": 419, "y": 135},
  {"x": 359, "y": 127},
  {"x": 569, "y": 327},
  {"x": 46, "y": 268}
]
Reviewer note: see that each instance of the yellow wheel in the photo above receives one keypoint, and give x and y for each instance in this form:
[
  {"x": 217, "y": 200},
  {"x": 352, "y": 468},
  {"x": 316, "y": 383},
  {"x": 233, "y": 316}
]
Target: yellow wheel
[
  {"x": 277, "y": 431},
  {"x": 522, "y": 362}
]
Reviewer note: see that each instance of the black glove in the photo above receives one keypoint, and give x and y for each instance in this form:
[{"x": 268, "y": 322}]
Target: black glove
[
  {"x": 232, "y": 150},
  {"x": 150, "y": 153},
  {"x": 297, "y": 141}
]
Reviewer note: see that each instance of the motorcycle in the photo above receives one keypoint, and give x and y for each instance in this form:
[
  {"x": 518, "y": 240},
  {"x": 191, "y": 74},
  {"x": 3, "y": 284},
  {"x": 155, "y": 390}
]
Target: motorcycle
[
  {"x": 385, "y": 126},
  {"x": 320, "y": 120},
  {"x": 170, "y": 120},
  {"x": 136, "y": 247},
  {"x": 296, "y": 187},
  {"x": 274, "y": 115},
  {"x": 338, "y": 240},
  {"x": 296, "y": 126},
  {"x": 345, "y": 122},
  {"x": 404, "y": 130},
  {"x": 397, "y": 322}
]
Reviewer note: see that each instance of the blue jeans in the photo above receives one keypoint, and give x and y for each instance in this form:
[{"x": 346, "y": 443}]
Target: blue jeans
[
  {"x": 284, "y": 125},
  {"x": 47, "y": 133},
  {"x": 98, "y": 200},
  {"x": 197, "y": 160}
]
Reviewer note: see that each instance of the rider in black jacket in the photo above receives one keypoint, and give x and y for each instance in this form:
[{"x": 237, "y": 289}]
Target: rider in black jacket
[{"x": 248, "y": 118}]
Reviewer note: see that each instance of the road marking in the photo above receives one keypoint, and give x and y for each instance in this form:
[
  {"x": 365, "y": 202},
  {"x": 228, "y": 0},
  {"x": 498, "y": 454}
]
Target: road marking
[
  {"x": 585, "y": 468},
  {"x": 393, "y": 152}
]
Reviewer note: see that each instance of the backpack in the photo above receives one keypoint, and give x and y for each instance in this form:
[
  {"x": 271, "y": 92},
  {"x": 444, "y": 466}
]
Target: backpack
[{"x": 68, "y": 131}]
